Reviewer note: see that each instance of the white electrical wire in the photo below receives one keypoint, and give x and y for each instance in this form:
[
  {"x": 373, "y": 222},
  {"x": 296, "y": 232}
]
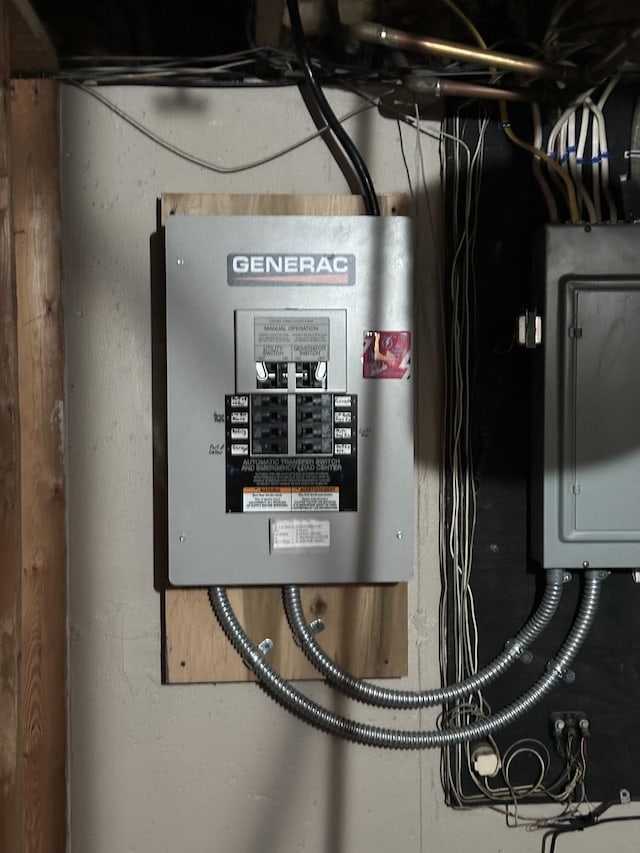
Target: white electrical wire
[
  {"x": 575, "y": 169},
  {"x": 595, "y": 159},
  {"x": 207, "y": 164},
  {"x": 457, "y": 547},
  {"x": 604, "y": 147}
]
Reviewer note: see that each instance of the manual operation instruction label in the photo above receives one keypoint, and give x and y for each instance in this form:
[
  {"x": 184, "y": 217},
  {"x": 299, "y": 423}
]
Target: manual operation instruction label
[{"x": 285, "y": 339}]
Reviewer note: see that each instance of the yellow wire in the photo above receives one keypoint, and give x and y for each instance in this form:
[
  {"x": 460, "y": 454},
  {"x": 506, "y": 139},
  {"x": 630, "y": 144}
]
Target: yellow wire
[{"x": 572, "y": 201}]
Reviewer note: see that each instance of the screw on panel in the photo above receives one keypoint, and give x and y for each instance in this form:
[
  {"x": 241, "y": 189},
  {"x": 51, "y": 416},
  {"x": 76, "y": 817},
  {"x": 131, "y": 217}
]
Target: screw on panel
[
  {"x": 180, "y": 262},
  {"x": 399, "y": 534},
  {"x": 585, "y": 564},
  {"x": 625, "y": 796},
  {"x": 182, "y": 538}
]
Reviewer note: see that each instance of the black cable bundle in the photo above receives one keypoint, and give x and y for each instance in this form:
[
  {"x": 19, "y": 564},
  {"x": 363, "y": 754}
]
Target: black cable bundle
[{"x": 368, "y": 191}]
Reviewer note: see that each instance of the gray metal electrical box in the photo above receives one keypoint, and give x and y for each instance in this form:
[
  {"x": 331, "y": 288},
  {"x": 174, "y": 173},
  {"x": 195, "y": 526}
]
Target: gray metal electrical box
[
  {"x": 586, "y": 477},
  {"x": 289, "y": 399}
]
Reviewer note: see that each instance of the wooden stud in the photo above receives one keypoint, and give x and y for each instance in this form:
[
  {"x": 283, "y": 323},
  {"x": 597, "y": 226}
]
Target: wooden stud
[
  {"x": 10, "y": 557},
  {"x": 366, "y": 626},
  {"x": 37, "y": 220}
]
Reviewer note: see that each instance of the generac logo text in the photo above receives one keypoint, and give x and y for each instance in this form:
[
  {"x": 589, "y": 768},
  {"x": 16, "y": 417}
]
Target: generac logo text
[{"x": 291, "y": 269}]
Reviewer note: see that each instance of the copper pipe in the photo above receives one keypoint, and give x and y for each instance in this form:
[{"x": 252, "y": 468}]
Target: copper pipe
[
  {"x": 379, "y": 34},
  {"x": 438, "y": 87},
  {"x": 602, "y": 67}
]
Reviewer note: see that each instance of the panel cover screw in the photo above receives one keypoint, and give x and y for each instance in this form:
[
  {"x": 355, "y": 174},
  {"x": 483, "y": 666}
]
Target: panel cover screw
[
  {"x": 399, "y": 534},
  {"x": 180, "y": 262},
  {"x": 182, "y": 537}
]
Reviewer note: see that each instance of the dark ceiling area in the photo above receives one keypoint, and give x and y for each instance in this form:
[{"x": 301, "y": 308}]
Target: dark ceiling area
[
  {"x": 103, "y": 28},
  {"x": 143, "y": 28}
]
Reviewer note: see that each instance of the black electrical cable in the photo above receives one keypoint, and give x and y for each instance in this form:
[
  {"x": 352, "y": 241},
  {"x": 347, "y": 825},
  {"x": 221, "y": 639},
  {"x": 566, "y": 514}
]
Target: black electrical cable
[
  {"x": 581, "y": 822},
  {"x": 360, "y": 167}
]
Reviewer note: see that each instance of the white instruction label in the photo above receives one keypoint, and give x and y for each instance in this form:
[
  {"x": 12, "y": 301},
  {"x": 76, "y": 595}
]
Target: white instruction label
[{"x": 299, "y": 535}]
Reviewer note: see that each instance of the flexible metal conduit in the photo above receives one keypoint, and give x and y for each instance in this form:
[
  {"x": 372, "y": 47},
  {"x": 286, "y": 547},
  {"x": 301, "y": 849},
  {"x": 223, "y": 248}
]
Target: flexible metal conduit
[
  {"x": 349, "y": 729},
  {"x": 383, "y": 696}
]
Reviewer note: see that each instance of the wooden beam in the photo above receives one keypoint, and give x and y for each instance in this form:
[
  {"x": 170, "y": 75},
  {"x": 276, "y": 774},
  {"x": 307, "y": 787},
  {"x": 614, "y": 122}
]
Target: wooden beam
[
  {"x": 37, "y": 220},
  {"x": 10, "y": 556},
  {"x": 32, "y": 51}
]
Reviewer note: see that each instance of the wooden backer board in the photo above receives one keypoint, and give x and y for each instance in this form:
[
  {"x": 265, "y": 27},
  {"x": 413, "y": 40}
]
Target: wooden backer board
[{"x": 366, "y": 626}]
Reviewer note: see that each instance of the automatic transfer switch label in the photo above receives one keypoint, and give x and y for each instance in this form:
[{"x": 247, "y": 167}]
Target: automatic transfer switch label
[{"x": 320, "y": 477}]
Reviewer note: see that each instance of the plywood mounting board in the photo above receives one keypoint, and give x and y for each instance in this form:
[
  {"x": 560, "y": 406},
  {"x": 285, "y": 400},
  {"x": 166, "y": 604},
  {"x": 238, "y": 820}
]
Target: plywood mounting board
[{"x": 366, "y": 626}]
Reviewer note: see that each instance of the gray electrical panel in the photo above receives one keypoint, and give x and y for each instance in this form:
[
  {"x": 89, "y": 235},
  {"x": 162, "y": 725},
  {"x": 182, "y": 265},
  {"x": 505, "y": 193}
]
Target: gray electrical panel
[
  {"x": 289, "y": 399},
  {"x": 586, "y": 477}
]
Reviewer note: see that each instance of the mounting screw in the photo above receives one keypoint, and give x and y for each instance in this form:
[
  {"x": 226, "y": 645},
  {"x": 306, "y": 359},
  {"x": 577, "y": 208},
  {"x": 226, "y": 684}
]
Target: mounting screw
[
  {"x": 566, "y": 577},
  {"x": 180, "y": 262},
  {"x": 182, "y": 538},
  {"x": 585, "y": 564},
  {"x": 625, "y": 796},
  {"x": 559, "y": 725},
  {"x": 399, "y": 534}
]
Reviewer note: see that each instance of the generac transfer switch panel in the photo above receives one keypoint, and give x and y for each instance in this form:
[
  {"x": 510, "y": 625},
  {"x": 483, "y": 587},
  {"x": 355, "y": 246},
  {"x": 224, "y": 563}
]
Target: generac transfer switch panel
[{"x": 289, "y": 399}]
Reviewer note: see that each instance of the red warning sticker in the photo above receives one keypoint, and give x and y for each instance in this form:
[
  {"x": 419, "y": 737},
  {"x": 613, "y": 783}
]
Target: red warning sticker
[{"x": 386, "y": 355}]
